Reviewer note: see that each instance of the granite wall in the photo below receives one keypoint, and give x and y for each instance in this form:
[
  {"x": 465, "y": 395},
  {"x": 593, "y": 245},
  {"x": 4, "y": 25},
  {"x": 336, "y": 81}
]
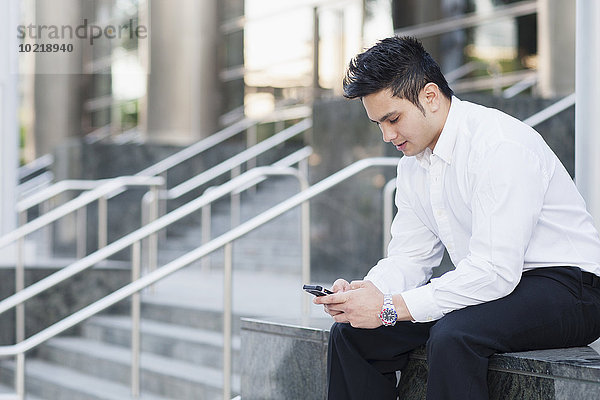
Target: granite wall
[
  {"x": 60, "y": 301},
  {"x": 286, "y": 359}
]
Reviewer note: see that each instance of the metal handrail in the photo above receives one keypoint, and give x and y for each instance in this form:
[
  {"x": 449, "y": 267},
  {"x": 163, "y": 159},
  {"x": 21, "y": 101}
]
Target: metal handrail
[
  {"x": 451, "y": 24},
  {"x": 217, "y": 138},
  {"x": 464, "y": 70},
  {"x": 29, "y": 292},
  {"x": 237, "y": 160},
  {"x": 56, "y": 189},
  {"x": 161, "y": 167},
  {"x": 84, "y": 199},
  {"x": 388, "y": 213},
  {"x": 197, "y": 148},
  {"x": 520, "y": 86},
  {"x": 551, "y": 110},
  {"x": 297, "y": 157},
  {"x": 37, "y": 165},
  {"x": 155, "y": 169},
  {"x": 78, "y": 204},
  {"x": 496, "y": 81},
  {"x": 134, "y": 287},
  {"x": 135, "y": 236},
  {"x": 282, "y": 168},
  {"x": 167, "y": 163},
  {"x": 292, "y": 159},
  {"x": 34, "y": 184}
]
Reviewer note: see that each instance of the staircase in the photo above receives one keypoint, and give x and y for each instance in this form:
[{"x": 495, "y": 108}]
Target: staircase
[
  {"x": 181, "y": 358},
  {"x": 181, "y": 339}
]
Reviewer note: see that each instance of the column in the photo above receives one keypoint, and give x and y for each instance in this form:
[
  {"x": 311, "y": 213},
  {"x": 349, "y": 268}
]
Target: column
[
  {"x": 587, "y": 117},
  {"x": 556, "y": 48},
  {"x": 183, "y": 97},
  {"x": 9, "y": 130}
]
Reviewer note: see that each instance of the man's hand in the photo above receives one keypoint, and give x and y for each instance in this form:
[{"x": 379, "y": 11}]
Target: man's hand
[
  {"x": 359, "y": 303},
  {"x": 340, "y": 285}
]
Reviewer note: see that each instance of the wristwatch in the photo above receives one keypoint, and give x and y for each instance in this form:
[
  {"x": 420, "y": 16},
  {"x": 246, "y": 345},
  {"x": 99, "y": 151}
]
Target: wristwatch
[{"x": 388, "y": 313}]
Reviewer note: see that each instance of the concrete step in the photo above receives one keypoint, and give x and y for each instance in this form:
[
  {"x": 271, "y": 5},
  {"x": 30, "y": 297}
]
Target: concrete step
[
  {"x": 197, "y": 346},
  {"x": 269, "y": 236},
  {"x": 209, "y": 318},
  {"x": 8, "y": 392},
  {"x": 271, "y": 247},
  {"x": 280, "y": 253},
  {"x": 279, "y": 230},
  {"x": 159, "y": 375},
  {"x": 247, "y": 262},
  {"x": 49, "y": 381}
]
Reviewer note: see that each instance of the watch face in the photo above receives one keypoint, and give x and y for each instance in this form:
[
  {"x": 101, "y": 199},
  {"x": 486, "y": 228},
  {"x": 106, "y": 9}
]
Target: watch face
[{"x": 388, "y": 316}]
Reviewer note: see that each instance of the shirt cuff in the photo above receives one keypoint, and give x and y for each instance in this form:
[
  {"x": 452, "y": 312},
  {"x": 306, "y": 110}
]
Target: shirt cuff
[{"x": 421, "y": 304}]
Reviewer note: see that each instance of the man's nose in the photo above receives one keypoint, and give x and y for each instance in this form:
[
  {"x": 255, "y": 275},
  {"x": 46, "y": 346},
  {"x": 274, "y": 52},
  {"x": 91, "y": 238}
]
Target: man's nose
[{"x": 388, "y": 133}]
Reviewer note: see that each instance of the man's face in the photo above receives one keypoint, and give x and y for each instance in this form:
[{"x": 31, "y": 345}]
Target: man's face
[{"x": 401, "y": 122}]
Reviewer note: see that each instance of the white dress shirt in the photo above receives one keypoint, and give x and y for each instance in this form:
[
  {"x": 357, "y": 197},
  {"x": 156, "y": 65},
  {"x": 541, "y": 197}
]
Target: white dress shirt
[{"x": 498, "y": 199}]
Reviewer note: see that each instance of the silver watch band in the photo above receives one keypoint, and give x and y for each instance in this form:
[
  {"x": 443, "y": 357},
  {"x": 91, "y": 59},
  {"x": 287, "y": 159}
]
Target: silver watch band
[
  {"x": 388, "y": 313},
  {"x": 388, "y": 300}
]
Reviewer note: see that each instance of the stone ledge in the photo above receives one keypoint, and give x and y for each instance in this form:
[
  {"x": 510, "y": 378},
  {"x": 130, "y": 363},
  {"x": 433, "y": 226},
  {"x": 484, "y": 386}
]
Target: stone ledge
[{"x": 287, "y": 358}]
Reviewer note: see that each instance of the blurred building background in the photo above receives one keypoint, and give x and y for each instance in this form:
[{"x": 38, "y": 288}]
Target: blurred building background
[
  {"x": 183, "y": 69},
  {"x": 205, "y": 64}
]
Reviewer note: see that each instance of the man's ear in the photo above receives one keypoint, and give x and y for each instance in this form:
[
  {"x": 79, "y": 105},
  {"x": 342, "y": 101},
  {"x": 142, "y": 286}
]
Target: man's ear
[{"x": 431, "y": 96}]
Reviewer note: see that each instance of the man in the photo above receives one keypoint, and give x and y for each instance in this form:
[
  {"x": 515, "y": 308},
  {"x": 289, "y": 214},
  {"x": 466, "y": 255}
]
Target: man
[{"x": 487, "y": 188}]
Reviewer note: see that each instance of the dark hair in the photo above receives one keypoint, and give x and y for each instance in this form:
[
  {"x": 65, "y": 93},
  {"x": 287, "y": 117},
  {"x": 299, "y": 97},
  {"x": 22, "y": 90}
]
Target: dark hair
[{"x": 398, "y": 63}]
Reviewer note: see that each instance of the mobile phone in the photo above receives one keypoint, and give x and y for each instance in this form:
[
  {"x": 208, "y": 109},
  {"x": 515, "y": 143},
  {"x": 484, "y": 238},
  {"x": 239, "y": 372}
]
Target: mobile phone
[{"x": 317, "y": 290}]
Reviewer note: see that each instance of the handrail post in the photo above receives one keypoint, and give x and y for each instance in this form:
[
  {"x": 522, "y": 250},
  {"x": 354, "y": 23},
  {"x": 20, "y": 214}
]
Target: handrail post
[
  {"x": 206, "y": 234},
  {"x": 135, "y": 321},
  {"x": 388, "y": 203},
  {"x": 303, "y": 167},
  {"x": 81, "y": 240},
  {"x": 227, "y": 317},
  {"x": 145, "y": 206},
  {"x": 47, "y": 232},
  {"x": 20, "y": 376},
  {"x": 162, "y": 204},
  {"x": 102, "y": 222},
  {"x": 251, "y": 140},
  {"x": 235, "y": 201},
  {"x": 153, "y": 237},
  {"x": 305, "y": 227},
  {"x": 20, "y": 319}
]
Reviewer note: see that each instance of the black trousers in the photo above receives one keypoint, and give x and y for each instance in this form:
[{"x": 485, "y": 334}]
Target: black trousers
[{"x": 550, "y": 308}]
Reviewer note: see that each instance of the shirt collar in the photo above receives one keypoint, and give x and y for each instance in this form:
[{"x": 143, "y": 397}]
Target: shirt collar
[
  {"x": 423, "y": 158},
  {"x": 444, "y": 148}
]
